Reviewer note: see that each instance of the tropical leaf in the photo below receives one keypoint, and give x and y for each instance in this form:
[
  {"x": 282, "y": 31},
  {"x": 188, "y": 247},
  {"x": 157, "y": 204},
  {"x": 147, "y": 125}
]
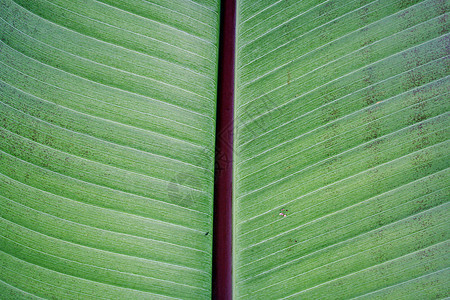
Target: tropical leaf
[
  {"x": 341, "y": 165},
  {"x": 107, "y": 120}
]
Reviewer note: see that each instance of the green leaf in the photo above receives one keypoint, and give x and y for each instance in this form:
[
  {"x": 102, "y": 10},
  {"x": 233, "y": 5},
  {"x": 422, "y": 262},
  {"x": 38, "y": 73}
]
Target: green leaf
[
  {"x": 107, "y": 130},
  {"x": 341, "y": 165},
  {"x": 107, "y": 123}
]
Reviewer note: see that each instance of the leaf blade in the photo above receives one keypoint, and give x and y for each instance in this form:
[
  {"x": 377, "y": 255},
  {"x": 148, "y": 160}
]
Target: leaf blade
[{"x": 341, "y": 134}]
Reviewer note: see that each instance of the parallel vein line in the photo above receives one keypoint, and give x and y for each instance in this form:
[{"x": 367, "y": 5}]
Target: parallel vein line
[
  {"x": 347, "y": 178},
  {"x": 333, "y": 183},
  {"x": 97, "y": 117},
  {"x": 346, "y": 257},
  {"x": 98, "y": 267},
  {"x": 339, "y": 38},
  {"x": 403, "y": 282},
  {"x": 97, "y": 206},
  {"x": 112, "y": 44},
  {"x": 90, "y": 99},
  {"x": 76, "y": 132},
  {"x": 343, "y": 134},
  {"x": 347, "y": 75},
  {"x": 105, "y": 230},
  {"x": 203, "y": 6},
  {"x": 86, "y": 159},
  {"x": 337, "y": 155},
  {"x": 99, "y": 185},
  {"x": 161, "y": 23},
  {"x": 169, "y": 9},
  {"x": 442, "y": 58},
  {"x": 20, "y": 290},
  {"x": 42, "y": 282},
  {"x": 260, "y": 11},
  {"x": 101, "y": 84},
  {"x": 104, "y": 187},
  {"x": 311, "y": 222},
  {"x": 416, "y": 88},
  {"x": 129, "y": 31},
  {"x": 104, "y": 65},
  {"x": 126, "y": 92},
  {"x": 72, "y": 291},
  {"x": 361, "y": 202},
  {"x": 110, "y": 252},
  {"x": 281, "y": 24},
  {"x": 369, "y": 268},
  {"x": 324, "y": 249},
  {"x": 315, "y": 28}
]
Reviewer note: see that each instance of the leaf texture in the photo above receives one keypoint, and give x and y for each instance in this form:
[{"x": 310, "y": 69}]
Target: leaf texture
[
  {"x": 341, "y": 150},
  {"x": 107, "y": 122}
]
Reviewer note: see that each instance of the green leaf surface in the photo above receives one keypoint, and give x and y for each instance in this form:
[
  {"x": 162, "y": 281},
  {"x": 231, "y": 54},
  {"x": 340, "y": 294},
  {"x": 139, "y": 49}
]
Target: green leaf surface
[
  {"x": 341, "y": 167},
  {"x": 107, "y": 131}
]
